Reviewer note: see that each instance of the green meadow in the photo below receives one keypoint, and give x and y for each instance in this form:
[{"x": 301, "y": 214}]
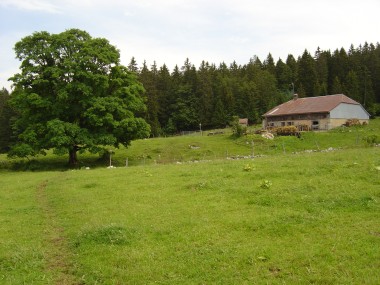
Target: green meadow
[{"x": 186, "y": 210}]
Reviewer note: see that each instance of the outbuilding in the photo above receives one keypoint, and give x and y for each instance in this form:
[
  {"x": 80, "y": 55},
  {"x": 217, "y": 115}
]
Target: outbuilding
[
  {"x": 316, "y": 113},
  {"x": 243, "y": 122}
]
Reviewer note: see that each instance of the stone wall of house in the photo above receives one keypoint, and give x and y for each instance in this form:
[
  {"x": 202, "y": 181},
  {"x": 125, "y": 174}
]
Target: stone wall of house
[
  {"x": 305, "y": 125},
  {"x": 339, "y": 122},
  {"x": 302, "y": 125}
]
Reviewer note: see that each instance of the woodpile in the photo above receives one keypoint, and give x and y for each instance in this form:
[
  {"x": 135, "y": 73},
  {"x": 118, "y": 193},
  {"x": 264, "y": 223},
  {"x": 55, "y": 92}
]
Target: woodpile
[
  {"x": 285, "y": 131},
  {"x": 352, "y": 122}
]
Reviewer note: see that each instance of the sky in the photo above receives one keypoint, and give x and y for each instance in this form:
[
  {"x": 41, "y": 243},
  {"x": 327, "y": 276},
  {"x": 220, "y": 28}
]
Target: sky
[{"x": 169, "y": 31}]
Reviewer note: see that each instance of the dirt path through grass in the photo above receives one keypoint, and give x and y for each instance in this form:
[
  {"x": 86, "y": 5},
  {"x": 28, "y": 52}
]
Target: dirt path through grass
[{"x": 57, "y": 255}]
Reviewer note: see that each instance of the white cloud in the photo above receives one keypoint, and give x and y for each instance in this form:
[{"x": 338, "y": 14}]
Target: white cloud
[
  {"x": 169, "y": 31},
  {"x": 32, "y": 5}
]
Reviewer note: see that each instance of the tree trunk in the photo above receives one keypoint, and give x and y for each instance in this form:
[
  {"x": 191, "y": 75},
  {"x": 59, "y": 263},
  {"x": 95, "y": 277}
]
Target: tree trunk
[{"x": 73, "y": 161}]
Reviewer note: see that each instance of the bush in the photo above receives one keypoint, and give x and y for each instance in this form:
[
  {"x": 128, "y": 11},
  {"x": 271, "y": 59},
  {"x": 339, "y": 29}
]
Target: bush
[
  {"x": 237, "y": 129},
  {"x": 372, "y": 139},
  {"x": 374, "y": 109}
]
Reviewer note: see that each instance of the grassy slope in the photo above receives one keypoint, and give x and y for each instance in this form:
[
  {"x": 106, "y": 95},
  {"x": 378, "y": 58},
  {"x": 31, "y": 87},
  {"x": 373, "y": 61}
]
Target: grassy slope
[
  {"x": 196, "y": 223},
  {"x": 177, "y": 149}
]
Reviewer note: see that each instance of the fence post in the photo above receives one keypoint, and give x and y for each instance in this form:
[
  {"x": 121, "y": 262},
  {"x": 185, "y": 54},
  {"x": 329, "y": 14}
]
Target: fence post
[
  {"x": 126, "y": 162},
  {"x": 316, "y": 143}
]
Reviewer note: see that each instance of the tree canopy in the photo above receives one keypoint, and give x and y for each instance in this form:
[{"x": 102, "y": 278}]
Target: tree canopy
[
  {"x": 73, "y": 94},
  {"x": 212, "y": 95}
]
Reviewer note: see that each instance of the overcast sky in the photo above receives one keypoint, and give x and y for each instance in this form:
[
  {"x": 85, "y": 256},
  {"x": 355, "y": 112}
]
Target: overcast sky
[{"x": 169, "y": 31}]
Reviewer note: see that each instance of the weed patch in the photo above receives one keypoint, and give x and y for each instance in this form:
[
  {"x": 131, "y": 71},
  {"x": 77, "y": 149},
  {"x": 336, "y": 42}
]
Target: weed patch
[
  {"x": 266, "y": 184},
  {"x": 203, "y": 185},
  {"x": 107, "y": 235}
]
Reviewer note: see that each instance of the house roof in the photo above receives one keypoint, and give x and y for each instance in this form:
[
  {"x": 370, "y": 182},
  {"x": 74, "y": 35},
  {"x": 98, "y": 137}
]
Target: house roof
[{"x": 321, "y": 104}]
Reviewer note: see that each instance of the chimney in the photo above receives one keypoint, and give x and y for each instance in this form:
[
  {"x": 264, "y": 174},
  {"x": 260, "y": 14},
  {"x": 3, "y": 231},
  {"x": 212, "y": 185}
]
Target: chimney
[{"x": 295, "y": 96}]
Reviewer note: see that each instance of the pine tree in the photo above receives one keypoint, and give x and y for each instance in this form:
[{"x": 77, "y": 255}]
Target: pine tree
[
  {"x": 132, "y": 66},
  {"x": 269, "y": 65},
  {"x": 149, "y": 80},
  {"x": 6, "y": 114},
  {"x": 267, "y": 92},
  {"x": 284, "y": 77},
  {"x": 352, "y": 86},
  {"x": 338, "y": 68},
  {"x": 307, "y": 74},
  {"x": 322, "y": 69},
  {"x": 292, "y": 64},
  {"x": 165, "y": 95},
  {"x": 205, "y": 93},
  {"x": 337, "y": 87},
  {"x": 219, "y": 117}
]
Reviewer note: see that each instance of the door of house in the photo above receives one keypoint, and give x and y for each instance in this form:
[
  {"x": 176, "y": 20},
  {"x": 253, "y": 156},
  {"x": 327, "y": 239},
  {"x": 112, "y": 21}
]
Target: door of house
[{"x": 315, "y": 125}]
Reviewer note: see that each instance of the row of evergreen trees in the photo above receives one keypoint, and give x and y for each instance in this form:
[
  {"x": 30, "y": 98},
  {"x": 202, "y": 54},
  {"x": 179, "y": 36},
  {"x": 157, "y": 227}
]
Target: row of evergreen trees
[{"x": 211, "y": 95}]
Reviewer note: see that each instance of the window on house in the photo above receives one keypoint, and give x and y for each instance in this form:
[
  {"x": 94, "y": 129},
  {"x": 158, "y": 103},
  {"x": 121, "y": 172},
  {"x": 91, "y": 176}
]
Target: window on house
[{"x": 282, "y": 124}]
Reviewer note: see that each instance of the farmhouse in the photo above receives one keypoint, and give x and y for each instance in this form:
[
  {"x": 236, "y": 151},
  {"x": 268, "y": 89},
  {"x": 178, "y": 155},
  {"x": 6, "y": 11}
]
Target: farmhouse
[{"x": 315, "y": 113}]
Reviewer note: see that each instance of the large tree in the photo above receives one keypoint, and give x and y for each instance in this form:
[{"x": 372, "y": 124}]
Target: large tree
[{"x": 72, "y": 94}]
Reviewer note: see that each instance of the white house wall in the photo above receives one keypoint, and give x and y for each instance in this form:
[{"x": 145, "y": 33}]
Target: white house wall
[{"x": 349, "y": 111}]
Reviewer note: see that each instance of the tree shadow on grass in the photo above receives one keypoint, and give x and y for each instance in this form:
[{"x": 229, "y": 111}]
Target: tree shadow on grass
[{"x": 40, "y": 164}]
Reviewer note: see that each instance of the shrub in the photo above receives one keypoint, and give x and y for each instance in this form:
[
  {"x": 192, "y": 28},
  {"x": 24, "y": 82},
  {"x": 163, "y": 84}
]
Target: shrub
[
  {"x": 372, "y": 139},
  {"x": 237, "y": 129}
]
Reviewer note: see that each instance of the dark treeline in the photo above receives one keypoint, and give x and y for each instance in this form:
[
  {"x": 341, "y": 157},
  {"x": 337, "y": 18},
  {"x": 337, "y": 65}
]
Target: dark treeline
[
  {"x": 210, "y": 95},
  {"x": 6, "y": 114}
]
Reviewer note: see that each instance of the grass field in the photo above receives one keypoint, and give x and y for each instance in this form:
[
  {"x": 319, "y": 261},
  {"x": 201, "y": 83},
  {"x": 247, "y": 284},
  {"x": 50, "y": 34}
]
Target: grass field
[{"x": 288, "y": 217}]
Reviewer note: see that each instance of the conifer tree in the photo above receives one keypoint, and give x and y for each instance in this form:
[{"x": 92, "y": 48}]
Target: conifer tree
[
  {"x": 269, "y": 65},
  {"x": 352, "y": 86},
  {"x": 149, "y": 80},
  {"x": 165, "y": 96},
  {"x": 6, "y": 114},
  {"x": 132, "y": 66},
  {"x": 307, "y": 75}
]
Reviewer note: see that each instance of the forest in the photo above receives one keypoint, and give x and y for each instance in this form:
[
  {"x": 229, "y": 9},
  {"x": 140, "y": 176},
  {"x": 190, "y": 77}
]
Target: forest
[
  {"x": 188, "y": 97},
  {"x": 210, "y": 95}
]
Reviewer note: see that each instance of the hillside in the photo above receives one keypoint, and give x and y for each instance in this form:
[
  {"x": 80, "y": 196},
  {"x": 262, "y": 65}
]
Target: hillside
[{"x": 197, "y": 147}]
